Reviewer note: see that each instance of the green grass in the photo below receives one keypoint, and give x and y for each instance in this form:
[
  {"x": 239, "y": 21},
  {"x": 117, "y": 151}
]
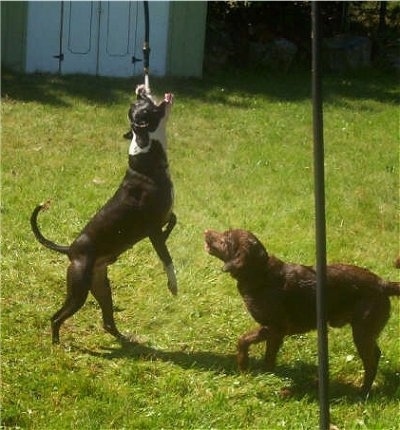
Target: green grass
[{"x": 240, "y": 149}]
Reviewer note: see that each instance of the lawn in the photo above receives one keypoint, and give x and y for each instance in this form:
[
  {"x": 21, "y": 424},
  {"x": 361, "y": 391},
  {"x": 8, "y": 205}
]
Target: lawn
[{"x": 240, "y": 151}]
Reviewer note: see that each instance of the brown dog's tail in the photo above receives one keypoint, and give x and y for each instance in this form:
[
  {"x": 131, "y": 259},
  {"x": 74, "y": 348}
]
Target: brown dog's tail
[
  {"x": 38, "y": 234},
  {"x": 392, "y": 288}
]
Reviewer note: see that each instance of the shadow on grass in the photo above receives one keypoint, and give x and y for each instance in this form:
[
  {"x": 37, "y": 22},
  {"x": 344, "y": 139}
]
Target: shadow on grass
[
  {"x": 215, "y": 88},
  {"x": 304, "y": 383},
  {"x": 206, "y": 361},
  {"x": 53, "y": 89},
  {"x": 302, "y": 376}
]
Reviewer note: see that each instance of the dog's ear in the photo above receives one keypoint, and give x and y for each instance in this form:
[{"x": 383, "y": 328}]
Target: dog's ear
[
  {"x": 234, "y": 265},
  {"x": 140, "y": 92},
  {"x": 258, "y": 255},
  {"x": 252, "y": 258},
  {"x": 235, "y": 252},
  {"x": 227, "y": 266},
  {"x": 128, "y": 135}
]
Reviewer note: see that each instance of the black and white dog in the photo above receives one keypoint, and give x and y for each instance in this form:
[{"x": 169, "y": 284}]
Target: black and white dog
[{"x": 140, "y": 208}]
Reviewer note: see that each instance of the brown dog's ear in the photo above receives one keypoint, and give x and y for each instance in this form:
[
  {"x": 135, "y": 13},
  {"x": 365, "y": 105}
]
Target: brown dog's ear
[
  {"x": 258, "y": 255},
  {"x": 233, "y": 266},
  {"x": 227, "y": 266},
  {"x": 252, "y": 259}
]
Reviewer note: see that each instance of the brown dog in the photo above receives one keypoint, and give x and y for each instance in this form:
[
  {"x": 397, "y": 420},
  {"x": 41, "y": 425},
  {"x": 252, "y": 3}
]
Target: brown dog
[{"x": 281, "y": 297}]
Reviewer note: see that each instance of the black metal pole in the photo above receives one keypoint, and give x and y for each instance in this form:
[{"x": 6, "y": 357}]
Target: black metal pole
[
  {"x": 320, "y": 223},
  {"x": 146, "y": 45}
]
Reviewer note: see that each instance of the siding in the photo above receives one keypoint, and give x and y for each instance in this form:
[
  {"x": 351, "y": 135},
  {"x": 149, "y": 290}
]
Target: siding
[
  {"x": 177, "y": 33},
  {"x": 13, "y": 34},
  {"x": 187, "y": 28}
]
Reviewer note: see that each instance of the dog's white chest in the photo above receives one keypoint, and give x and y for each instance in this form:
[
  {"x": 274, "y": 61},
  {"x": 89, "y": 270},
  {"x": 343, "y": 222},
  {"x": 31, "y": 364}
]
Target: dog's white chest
[
  {"x": 135, "y": 149},
  {"x": 159, "y": 135}
]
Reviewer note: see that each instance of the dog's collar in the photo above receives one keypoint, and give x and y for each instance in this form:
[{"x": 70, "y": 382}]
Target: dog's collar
[{"x": 135, "y": 149}]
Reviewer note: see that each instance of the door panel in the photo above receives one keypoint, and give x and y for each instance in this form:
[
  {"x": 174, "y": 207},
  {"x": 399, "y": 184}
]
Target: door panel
[
  {"x": 118, "y": 28},
  {"x": 79, "y": 37},
  {"x": 99, "y": 37},
  {"x": 117, "y": 38}
]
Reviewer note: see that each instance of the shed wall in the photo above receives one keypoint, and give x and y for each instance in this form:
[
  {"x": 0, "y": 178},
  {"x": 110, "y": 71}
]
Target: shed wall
[
  {"x": 31, "y": 37},
  {"x": 13, "y": 34},
  {"x": 43, "y": 36},
  {"x": 186, "y": 38}
]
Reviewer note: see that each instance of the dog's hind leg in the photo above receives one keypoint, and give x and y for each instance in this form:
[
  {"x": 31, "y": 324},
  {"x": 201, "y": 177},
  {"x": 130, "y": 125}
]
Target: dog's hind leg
[
  {"x": 370, "y": 355},
  {"x": 368, "y": 321},
  {"x": 158, "y": 242},
  {"x": 170, "y": 226},
  {"x": 273, "y": 345},
  {"x": 100, "y": 288},
  {"x": 78, "y": 283}
]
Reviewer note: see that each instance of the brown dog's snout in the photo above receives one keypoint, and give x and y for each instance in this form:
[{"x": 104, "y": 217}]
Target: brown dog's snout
[{"x": 207, "y": 240}]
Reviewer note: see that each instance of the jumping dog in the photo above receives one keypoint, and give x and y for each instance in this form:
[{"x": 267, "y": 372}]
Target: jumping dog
[{"x": 140, "y": 208}]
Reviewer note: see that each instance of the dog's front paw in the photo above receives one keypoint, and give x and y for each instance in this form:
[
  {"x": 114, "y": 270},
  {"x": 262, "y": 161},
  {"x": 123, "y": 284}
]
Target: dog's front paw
[
  {"x": 243, "y": 362},
  {"x": 172, "y": 282},
  {"x": 173, "y": 287},
  {"x": 242, "y": 354},
  {"x": 242, "y": 359}
]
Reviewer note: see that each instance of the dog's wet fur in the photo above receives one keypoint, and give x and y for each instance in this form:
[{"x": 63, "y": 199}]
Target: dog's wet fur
[
  {"x": 140, "y": 208},
  {"x": 281, "y": 297}
]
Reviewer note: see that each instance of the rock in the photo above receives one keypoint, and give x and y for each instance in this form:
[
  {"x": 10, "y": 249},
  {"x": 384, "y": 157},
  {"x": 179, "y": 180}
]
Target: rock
[
  {"x": 346, "y": 52},
  {"x": 277, "y": 55}
]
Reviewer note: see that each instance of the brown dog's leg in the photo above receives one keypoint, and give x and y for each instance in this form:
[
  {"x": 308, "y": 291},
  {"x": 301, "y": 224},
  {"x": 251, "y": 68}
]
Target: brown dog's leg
[
  {"x": 252, "y": 337},
  {"x": 370, "y": 355},
  {"x": 273, "y": 345},
  {"x": 368, "y": 321},
  {"x": 100, "y": 288},
  {"x": 78, "y": 282}
]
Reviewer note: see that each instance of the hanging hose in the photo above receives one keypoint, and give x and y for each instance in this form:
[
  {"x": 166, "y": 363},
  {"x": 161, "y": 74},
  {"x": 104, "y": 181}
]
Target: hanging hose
[{"x": 146, "y": 47}]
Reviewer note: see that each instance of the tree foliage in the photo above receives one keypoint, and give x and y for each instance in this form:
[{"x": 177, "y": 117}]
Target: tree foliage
[{"x": 235, "y": 24}]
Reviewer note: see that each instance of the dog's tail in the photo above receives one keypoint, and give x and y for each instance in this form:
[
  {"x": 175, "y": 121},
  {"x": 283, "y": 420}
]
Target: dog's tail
[
  {"x": 38, "y": 234},
  {"x": 392, "y": 288}
]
